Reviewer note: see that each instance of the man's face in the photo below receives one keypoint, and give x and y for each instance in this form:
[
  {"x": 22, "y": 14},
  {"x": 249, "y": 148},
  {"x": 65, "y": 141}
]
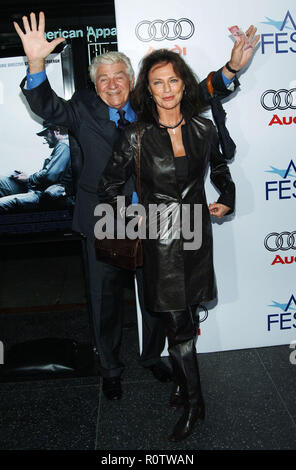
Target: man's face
[
  {"x": 50, "y": 138},
  {"x": 113, "y": 85}
]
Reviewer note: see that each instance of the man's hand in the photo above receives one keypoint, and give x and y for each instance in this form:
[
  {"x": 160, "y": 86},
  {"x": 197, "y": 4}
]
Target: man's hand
[
  {"x": 22, "y": 178},
  {"x": 36, "y": 47},
  {"x": 239, "y": 57},
  {"x": 218, "y": 210}
]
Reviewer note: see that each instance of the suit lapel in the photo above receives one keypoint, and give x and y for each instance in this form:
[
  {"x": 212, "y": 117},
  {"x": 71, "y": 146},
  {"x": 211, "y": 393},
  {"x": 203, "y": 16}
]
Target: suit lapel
[{"x": 100, "y": 114}]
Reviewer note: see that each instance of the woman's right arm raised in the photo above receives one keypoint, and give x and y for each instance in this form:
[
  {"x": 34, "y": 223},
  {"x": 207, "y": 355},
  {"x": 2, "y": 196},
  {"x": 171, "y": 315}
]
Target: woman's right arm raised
[{"x": 36, "y": 47}]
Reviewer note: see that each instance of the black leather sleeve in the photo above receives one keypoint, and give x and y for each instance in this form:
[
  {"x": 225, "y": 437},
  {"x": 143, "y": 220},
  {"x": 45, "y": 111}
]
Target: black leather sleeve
[
  {"x": 119, "y": 169},
  {"x": 220, "y": 89},
  {"x": 220, "y": 174}
]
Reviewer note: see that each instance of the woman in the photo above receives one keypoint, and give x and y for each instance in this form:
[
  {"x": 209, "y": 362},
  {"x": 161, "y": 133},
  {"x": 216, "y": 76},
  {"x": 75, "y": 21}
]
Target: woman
[{"x": 177, "y": 145}]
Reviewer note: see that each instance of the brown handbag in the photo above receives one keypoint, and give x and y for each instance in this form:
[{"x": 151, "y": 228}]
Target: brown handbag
[{"x": 123, "y": 253}]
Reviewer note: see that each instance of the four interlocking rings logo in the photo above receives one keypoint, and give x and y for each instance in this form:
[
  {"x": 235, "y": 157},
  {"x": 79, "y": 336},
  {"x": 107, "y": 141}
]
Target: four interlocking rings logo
[
  {"x": 281, "y": 99},
  {"x": 283, "y": 241},
  {"x": 205, "y": 313},
  {"x": 159, "y": 30}
]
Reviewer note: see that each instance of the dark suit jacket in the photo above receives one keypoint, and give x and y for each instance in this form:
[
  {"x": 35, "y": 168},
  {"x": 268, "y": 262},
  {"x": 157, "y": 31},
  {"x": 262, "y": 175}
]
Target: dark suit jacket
[{"x": 86, "y": 116}]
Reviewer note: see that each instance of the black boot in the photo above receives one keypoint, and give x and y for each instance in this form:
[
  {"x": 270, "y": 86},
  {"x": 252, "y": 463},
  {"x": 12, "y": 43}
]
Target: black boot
[
  {"x": 194, "y": 408},
  {"x": 186, "y": 423},
  {"x": 181, "y": 339},
  {"x": 177, "y": 397}
]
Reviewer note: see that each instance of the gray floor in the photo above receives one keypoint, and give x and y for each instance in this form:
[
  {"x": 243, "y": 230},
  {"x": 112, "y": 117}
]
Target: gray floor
[{"x": 250, "y": 394}]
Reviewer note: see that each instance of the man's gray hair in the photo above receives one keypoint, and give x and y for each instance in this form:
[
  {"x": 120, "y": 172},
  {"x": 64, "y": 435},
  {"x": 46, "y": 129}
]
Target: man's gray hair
[{"x": 112, "y": 57}]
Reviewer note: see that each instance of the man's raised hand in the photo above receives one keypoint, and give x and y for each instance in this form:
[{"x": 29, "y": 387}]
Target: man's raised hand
[{"x": 36, "y": 47}]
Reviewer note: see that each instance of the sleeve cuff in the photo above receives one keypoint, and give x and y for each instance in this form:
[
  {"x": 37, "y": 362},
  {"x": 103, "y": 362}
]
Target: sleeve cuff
[
  {"x": 228, "y": 83},
  {"x": 35, "y": 79}
]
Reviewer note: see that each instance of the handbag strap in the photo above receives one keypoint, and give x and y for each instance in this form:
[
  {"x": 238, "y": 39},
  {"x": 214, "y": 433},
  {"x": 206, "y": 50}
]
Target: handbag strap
[{"x": 138, "y": 162}]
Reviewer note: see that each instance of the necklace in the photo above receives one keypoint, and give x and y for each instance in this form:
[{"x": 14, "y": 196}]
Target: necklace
[{"x": 172, "y": 127}]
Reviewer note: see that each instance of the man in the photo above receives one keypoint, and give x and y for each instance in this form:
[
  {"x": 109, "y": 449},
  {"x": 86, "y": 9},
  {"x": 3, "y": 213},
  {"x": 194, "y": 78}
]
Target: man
[
  {"x": 94, "y": 120},
  {"x": 20, "y": 191}
]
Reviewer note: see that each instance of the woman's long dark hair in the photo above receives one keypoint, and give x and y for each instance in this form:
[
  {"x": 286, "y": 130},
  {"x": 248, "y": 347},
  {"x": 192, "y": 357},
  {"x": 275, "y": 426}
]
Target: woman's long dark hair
[{"x": 141, "y": 101}]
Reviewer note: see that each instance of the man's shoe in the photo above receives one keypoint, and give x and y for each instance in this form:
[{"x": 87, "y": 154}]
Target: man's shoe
[
  {"x": 112, "y": 388},
  {"x": 161, "y": 372}
]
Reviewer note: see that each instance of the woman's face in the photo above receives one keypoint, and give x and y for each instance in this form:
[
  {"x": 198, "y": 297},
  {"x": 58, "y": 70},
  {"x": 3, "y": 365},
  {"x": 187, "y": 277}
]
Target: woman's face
[{"x": 165, "y": 86}]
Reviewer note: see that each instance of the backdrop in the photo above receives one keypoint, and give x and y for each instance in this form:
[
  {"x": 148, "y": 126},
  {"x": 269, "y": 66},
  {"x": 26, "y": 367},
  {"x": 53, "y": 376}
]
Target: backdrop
[{"x": 255, "y": 257}]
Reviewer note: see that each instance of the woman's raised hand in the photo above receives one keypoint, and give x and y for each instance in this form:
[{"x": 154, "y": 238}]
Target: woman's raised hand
[
  {"x": 36, "y": 47},
  {"x": 239, "y": 56}
]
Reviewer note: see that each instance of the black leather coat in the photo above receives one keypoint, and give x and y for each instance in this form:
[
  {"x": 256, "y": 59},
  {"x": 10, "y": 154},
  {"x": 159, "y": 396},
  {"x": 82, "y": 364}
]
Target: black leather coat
[{"x": 173, "y": 277}]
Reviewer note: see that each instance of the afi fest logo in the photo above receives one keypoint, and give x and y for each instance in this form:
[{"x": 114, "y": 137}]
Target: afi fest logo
[
  {"x": 278, "y": 101},
  {"x": 283, "y": 188},
  {"x": 285, "y": 316},
  {"x": 281, "y": 242},
  {"x": 283, "y": 41}
]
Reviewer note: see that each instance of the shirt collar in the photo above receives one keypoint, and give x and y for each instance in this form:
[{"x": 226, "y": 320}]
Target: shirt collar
[{"x": 130, "y": 115}]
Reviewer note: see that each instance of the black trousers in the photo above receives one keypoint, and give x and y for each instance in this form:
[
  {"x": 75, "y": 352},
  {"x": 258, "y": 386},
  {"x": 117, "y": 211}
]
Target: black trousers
[
  {"x": 106, "y": 297},
  {"x": 181, "y": 332}
]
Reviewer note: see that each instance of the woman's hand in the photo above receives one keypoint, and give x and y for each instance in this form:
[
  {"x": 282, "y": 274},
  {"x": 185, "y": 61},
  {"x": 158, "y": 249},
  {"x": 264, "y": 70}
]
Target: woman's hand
[
  {"x": 218, "y": 210},
  {"x": 36, "y": 47},
  {"x": 239, "y": 57}
]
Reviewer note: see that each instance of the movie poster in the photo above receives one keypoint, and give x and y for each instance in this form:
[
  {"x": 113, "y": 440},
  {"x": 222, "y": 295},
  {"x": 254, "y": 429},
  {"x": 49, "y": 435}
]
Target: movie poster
[{"x": 35, "y": 165}]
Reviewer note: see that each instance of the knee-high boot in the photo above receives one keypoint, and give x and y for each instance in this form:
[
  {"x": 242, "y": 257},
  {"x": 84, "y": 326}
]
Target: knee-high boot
[{"x": 181, "y": 334}]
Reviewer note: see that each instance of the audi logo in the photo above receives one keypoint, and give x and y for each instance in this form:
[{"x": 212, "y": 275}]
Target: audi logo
[
  {"x": 205, "y": 315},
  {"x": 159, "y": 30},
  {"x": 281, "y": 99},
  {"x": 283, "y": 241}
]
